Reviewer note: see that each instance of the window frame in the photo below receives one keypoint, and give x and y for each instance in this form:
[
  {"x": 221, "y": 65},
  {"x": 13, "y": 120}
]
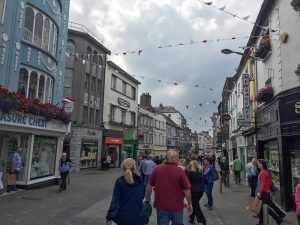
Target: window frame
[{"x": 3, "y": 12}]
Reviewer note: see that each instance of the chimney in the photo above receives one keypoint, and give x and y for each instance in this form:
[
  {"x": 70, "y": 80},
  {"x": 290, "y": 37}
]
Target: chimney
[{"x": 145, "y": 100}]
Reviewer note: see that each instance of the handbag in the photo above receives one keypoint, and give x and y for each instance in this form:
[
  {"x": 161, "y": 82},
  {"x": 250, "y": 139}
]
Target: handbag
[
  {"x": 11, "y": 179},
  {"x": 215, "y": 174},
  {"x": 254, "y": 205}
]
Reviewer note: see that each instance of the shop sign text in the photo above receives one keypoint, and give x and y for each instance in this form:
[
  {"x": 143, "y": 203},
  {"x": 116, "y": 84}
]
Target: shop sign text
[
  {"x": 246, "y": 94},
  {"x": 297, "y": 107},
  {"x": 123, "y": 102},
  {"x": 21, "y": 119}
]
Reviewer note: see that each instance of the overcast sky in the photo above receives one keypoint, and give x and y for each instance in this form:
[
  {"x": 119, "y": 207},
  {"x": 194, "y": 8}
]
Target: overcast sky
[{"x": 129, "y": 25}]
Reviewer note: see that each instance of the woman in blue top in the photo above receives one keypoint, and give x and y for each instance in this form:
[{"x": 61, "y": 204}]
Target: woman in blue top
[
  {"x": 126, "y": 206},
  {"x": 209, "y": 182}
]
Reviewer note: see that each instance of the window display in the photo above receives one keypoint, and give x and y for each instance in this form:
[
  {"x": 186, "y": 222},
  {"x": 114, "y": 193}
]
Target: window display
[
  {"x": 295, "y": 167},
  {"x": 272, "y": 159},
  {"x": 88, "y": 156},
  {"x": 43, "y": 157}
]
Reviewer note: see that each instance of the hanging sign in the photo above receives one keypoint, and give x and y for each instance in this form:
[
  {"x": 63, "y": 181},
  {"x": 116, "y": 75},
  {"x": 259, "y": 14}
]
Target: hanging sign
[{"x": 246, "y": 95}]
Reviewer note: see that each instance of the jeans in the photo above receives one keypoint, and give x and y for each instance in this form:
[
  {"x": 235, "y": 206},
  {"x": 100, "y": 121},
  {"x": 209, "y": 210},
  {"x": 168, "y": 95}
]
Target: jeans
[
  {"x": 252, "y": 180},
  {"x": 275, "y": 212},
  {"x": 146, "y": 180},
  {"x": 196, "y": 196},
  {"x": 208, "y": 190},
  {"x": 63, "y": 183},
  {"x": 237, "y": 175},
  {"x": 164, "y": 217}
]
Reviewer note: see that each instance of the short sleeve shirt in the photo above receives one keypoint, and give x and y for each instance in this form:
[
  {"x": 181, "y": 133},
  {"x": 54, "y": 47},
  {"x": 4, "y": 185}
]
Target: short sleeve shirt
[{"x": 169, "y": 181}]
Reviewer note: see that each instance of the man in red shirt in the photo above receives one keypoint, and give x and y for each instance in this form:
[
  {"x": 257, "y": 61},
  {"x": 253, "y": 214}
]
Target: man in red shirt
[{"x": 171, "y": 186}]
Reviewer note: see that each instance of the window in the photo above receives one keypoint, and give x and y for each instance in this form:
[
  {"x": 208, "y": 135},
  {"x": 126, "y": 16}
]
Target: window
[
  {"x": 92, "y": 116},
  {"x": 95, "y": 57},
  {"x": 123, "y": 115},
  {"x": 23, "y": 81},
  {"x": 88, "y": 53},
  {"x": 99, "y": 87},
  {"x": 43, "y": 157},
  {"x": 124, "y": 87},
  {"x": 97, "y": 117},
  {"x": 70, "y": 50},
  {"x": 132, "y": 119},
  {"x": 112, "y": 113},
  {"x": 87, "y": 82},
  {"x": 133, "y": 92},
  {"x": 40, "y": 30},
  {"x": 29, "y": 20},
  {"x": 114, "y": 82},
  {"x": 88, "y": 155},
  {"x": 41, "y": 89},
  {"x": 2, "y": 10},
  {"x": 33, "y": 85},
  {"x": 85, "y": 114},
  {"x": 46, "y": 34},
  {"x": 93, "y": 85}
]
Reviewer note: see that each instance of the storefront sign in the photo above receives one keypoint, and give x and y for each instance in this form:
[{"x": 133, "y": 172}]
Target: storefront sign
[
  {"x": 123, "y": 102},
  {"x": 112, "y": 140},
  {"x": 22, "y": 119},
  {"x": 226, "y": 117},
  {"x": 290, "y": 108},
  {"x": 246, "y": 95},
  {"x": 19, "y": 119},
  {"x": 267, "y": 116},
  {"x": 297, "y": 107}
]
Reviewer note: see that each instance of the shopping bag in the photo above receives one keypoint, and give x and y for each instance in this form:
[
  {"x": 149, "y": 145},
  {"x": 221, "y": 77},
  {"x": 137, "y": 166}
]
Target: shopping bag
[
  {"x": 255, "y": 205},
  {"x": 11, "y": 179},
  {"x": 250, "y": 203}
]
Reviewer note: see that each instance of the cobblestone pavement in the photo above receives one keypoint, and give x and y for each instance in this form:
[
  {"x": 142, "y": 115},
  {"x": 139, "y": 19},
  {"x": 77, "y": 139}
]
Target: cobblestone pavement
[{"x": 88, "y": 196}]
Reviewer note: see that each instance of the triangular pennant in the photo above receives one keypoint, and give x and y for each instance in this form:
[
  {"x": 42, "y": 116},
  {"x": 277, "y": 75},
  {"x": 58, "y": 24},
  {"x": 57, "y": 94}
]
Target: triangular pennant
[
  {"x": 140, "y": 51},
  {"x": 83, "y": 61},
  {"x": 208, "y": 3},
  {"x": 223, "y": 8}
]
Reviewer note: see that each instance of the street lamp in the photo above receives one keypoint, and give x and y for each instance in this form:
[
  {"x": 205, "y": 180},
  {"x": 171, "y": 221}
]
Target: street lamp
[{"x": 228, "y": 51}]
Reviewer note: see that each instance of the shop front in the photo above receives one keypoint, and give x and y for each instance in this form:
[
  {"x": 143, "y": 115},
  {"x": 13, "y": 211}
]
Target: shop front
[
  {"x": 41, "y": 143},
  {"x": 113, "y": 141},
  {"x": 278, "y": 141},
  {"x": 128, "y": 146},
  {"x": 84, "y": 146}
]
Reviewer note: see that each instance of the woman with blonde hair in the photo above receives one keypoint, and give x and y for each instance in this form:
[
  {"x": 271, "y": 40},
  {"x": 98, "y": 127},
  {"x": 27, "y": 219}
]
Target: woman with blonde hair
[
  {"x": 181, "y": 164},
  {"x": 126, "y": 206},
  {"x": 197, "y": 187}
]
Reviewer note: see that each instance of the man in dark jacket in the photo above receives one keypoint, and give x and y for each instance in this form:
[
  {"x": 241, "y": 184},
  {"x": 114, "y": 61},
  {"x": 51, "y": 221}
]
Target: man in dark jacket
[{"x": 224, "y": 166}]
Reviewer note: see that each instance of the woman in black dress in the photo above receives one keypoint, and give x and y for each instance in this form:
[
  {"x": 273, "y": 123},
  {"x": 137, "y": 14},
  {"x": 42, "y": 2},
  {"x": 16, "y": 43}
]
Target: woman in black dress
[{"x": 197, "y": 187}]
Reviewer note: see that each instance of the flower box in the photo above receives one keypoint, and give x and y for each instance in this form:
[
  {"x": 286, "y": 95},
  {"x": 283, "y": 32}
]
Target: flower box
[
  {"x": 265, "y": 95},
  {"x": 14, "y": 101},
  {"x": 264, "y": 46},
  {"x": 296, "y": 5}
]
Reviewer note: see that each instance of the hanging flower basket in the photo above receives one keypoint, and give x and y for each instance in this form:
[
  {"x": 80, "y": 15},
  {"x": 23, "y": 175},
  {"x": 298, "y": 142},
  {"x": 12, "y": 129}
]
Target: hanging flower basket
[
  {"x": 264, "y": 46},
  {"x": 265, "y": 95},
  {"x": 12, "y": 101},
  {"x": 296, "y": 5},
  {"x": 297, "y": 71}
]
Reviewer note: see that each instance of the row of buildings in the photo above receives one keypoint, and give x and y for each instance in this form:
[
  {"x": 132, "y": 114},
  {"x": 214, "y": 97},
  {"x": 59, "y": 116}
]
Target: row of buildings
[
  {"x": 59, "y": 93},
  {"x": 259, "y": 114}
]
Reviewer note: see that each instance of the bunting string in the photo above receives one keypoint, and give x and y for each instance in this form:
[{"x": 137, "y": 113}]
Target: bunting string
[{"x": 235, "y": 15}]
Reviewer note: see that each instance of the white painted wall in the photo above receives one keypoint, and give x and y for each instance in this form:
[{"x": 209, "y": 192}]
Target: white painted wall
[
  {"x": 111, "y": 98},
  {"x": 176, "y": 117}
]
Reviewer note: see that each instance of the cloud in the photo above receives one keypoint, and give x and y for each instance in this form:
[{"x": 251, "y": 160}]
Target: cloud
[{"x": 130, "y": 25}]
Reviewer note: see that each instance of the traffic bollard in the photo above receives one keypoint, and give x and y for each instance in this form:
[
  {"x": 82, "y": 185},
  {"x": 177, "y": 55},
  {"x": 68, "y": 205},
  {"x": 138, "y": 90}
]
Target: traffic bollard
[{"x": 265, "y": 214}]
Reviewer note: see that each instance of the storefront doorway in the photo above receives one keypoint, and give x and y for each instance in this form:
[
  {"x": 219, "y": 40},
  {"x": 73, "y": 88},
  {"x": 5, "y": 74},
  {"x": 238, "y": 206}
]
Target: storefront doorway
[{"x": 9, "y": 142}]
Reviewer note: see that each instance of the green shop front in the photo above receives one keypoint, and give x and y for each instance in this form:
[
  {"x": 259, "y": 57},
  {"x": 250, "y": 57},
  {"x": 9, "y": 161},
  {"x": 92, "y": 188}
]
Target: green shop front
[{"x": 128, "y": 146}]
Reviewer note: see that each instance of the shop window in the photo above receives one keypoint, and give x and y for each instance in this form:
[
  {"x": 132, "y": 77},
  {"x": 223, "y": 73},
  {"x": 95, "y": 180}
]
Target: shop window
[
  {"x": 271, "y": 155},
  {"x": 2, "y": 9},
  {"x": 295, "y": 167},
  {"x": 38, "y": 30},
  {"x": 88, "y": 155},
  {"x": 23, "y": 82},
  {"x": 41, "y": 90},
  {"x": 46, "y": 34},
  {"x": 43, "y": 157}
]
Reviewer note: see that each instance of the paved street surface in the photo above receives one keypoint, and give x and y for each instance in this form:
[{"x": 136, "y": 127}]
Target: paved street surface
[{"x": 88, "y": 197}]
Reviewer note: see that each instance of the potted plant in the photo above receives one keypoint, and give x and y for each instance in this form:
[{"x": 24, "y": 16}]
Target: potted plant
[
  {"x": 265, "y": 94},
  {"x": 296, "y": 5},
  {"x": 264, "y": 46},
  {"x": 297, "y": 71}
]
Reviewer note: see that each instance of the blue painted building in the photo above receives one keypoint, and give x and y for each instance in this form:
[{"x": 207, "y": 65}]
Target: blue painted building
[{"x": 33, "y": 37}]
